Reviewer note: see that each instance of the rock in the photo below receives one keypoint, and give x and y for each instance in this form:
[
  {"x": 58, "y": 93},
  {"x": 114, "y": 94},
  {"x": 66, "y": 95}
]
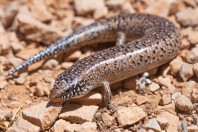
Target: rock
[
  {"x": 60, "y": 125},
  {"x": 42, "y": 115},
  {"x": 160, "y": 8},
  {"x": 15, "y": 61},
  {"x": 37, "y": 31},
  {"x": 74, "y": 56},
  {"x": 194, "y": 96},
  {"x": 193, "y": 128},
  {"x": 129, "y": 115},
  {"x": 4, "y": 43},
  {"x": 127, "y": 6},
  {"x": 153, "y": 87},
  {"x": 87, "y": 126},
  {"x": 5, "y": 115},
  {"x": 107, "y": 119},
  {"x": 3, "y": 82},
  {"x": 91, "y": 98},
  {"x": 78, "y": 113},
  {"x": 83, "y": 7},
  {"x": 115, "y": 3},
  {"x": 66, "y": 65},
  {"x": 21, "y": 79},
  {"x": 183, "y": 103},
  {"x": 162, "y": 122},
  {"x": 175, "y": 65},
  {"x": 166, "y": 99},
  {"x": 173, "y": 121},
  {"x": 174, "y": 95},
  {"x": 193, "y": 37},
  {"x": 50, "y": 64},
  {"x": 152, "y": 124},
  {"x": 185, "y": 17},
  {"x": 40, "y": 11},
  {"x": 21, "y": 125},
  {"x": 195, "y": 69},
  {"x": 27, "y": 53},
  {"x": 141, "y": 100},
  {"x": 186, "y": 71},
  {"x": 166, "y": 82},
  {"x": 192, "y": 56},
  {"x": 42, "y": 89},
  {"x": 13, "y": 104}
]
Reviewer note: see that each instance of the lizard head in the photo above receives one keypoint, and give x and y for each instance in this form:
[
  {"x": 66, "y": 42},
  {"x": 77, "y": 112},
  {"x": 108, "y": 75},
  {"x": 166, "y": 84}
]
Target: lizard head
[{"x": 65, "y": 87}]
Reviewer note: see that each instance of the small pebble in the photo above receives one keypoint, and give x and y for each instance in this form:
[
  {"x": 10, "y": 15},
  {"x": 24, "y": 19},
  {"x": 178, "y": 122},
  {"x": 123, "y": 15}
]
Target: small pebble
[
  {"x": 141, "y": 100},
  {"x": 153, "y": 87},
  {"x": 186, "y": 71},
  {"x": 107, "y": 119},
  {"x": 50, "y": 64},
  {"x": 195, "y": 69},
  {"x": 183, "y": 103},
  {"x": 129, "y": 115},
  {"x": 192, "y": 56},
  {"x": 152, "y": 124}
]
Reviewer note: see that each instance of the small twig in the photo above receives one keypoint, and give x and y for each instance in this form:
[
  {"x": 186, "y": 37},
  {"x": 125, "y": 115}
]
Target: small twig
[{"x": 14, "y": 116}]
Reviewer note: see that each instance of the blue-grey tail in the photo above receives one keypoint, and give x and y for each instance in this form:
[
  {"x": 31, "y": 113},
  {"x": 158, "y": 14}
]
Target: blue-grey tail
[{"x": 51, "y": 50}]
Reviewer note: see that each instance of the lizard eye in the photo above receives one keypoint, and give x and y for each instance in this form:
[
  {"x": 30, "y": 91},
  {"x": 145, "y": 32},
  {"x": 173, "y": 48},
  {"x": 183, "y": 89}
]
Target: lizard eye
[{"x": 62, "y": 84}]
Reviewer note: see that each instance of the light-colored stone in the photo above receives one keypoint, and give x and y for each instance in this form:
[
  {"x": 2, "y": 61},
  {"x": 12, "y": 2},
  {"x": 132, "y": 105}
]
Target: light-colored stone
[
  {"x": 152, "y": 124},
  {"x": 50, "y": 64},
  {"x": 141, "y": 100},
  {"x": 107, "y": 119},
  {"x": 37, "y": 31},
  {"x": 91, "y": 98},
  {"x": 78, "y": 113},
  {"x": 193, "y": 128},
  {"x": 166, "y": 82},
  {"x": 162, "y": 122},
  {"x": 173, "y": 121},
  {"x": 183, "y": 103},
  {"x": 166, "y": 99},
  {"x": 192, "y": 56},
  {"x": 40, "y": 11},
  {"x": 60, "y": 125},
  {"x": 15, "y": 61},
  {"x": 160, "y": 7},
  {"x": 174, "y": 95},
  {"x": 4, "y": 43},
  {"x": 21, "y": 125},
  {"x": 193, "y": 37},
  {"x": 21, "y": 79},
  {"x": 186, "y": 18},
  {"x": 5, "y": 114},
  {"x": 175, "y": 65},
  {"x": 85, "y": 127},
  {"x": 153, "y": 87},
  {"x": 129, "y": 115},
  {"x": 194, "y": 96},
  {"x": 186, "y": 71},
  {"x": 195, "y": 69},
  {"x": 74, "y": 56},
  {"x": 42, "y": 88},
  {"x": 43, "y": 114},
  {"x": 83, "y": 7},
  {"x": 115, "y": 3},
  {"x": 3, "y": 82},
  {"x": 14, "y": 104},
  {"x": 66, "y": 65}
]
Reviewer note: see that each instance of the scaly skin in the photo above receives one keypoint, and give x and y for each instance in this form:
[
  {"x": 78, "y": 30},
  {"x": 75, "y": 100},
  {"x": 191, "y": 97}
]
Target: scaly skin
[{"x": 159, "y": 44}]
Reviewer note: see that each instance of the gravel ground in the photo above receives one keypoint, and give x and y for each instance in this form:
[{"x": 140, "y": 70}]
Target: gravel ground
[{"x": 168, "y": 104}]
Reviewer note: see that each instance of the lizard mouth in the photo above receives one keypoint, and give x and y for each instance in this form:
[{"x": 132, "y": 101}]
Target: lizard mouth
[{"x": 54, "y": 98}]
